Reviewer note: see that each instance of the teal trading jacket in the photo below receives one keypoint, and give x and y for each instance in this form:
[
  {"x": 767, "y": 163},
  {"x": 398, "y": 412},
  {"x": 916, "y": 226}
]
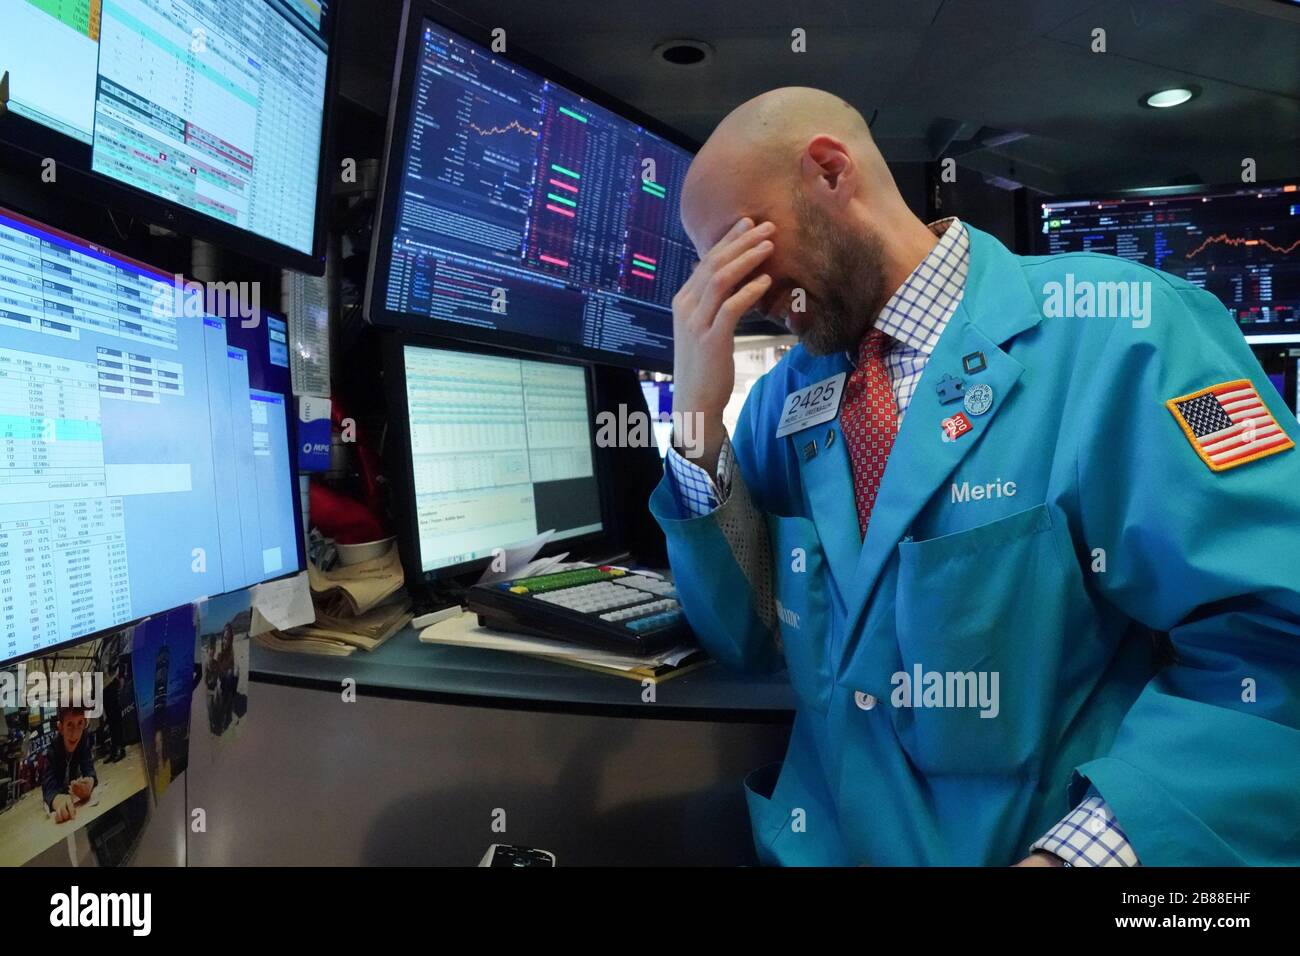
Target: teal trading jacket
[{"x": 1106, "y": 529}]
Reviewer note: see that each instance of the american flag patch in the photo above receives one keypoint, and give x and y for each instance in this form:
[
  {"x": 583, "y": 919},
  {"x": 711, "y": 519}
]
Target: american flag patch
[{"x": 1228, "y": 424}]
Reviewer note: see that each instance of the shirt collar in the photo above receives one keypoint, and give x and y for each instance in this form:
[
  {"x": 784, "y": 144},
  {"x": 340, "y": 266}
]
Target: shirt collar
[{"x": 920, "y": 308}]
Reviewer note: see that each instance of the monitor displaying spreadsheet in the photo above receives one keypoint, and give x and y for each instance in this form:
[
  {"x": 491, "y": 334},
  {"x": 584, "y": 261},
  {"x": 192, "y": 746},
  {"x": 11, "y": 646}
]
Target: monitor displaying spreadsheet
[
  {"x": 144, "y": 450},
  {"x": 501, "y": 449},
  {"x": 213, "y": 106}
]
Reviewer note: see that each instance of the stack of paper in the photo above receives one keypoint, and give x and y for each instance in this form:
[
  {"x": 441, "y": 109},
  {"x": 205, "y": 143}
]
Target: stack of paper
[
  {"x": 356, "y": 588},
  {"x": 357, "y": 606},
  {"x": 279, "y": 641},
  {"x": 463, "y": 631}
]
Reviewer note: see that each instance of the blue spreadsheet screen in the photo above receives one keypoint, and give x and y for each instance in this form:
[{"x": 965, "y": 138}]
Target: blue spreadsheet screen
[
  {"x": 527, "y": 208},
  {"x": 143, "y": 464}
]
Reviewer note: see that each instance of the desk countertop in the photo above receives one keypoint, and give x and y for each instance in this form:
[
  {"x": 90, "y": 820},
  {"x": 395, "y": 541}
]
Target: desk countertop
[{"x": 405, "y": 668}]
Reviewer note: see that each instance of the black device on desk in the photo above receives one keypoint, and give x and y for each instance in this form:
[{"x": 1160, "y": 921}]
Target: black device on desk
[
  {"x": 502, "y": 854},
  {"x": 603, "y": 607}
]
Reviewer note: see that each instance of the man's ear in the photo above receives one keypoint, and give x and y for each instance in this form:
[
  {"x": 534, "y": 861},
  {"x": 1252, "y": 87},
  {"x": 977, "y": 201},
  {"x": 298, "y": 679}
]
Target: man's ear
[{"x": 828, "y": 167}]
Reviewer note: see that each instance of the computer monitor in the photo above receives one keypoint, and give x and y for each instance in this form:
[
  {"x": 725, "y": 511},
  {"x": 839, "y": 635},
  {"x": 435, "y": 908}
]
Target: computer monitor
[
  {"x": 1240, "y": 242},
  {"x": 144, "y": 450},
  {"x": 659, "y": 403},
  {"x": 521, "y": 208},
  {"x": 1279, "y": 356},
  {"x": 493, "y": 450},
  {"x": 210, "y": 117}
]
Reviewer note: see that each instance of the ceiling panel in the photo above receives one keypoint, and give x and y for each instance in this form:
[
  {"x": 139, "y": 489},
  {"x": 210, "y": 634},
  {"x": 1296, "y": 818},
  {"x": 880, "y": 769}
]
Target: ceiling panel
[{"x": 1021, "y": 65}]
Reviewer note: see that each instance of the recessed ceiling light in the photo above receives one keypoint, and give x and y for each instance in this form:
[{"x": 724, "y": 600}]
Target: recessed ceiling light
[
  {"x": 1174, "y": 96},
  {"x": 684, "y": 52}
]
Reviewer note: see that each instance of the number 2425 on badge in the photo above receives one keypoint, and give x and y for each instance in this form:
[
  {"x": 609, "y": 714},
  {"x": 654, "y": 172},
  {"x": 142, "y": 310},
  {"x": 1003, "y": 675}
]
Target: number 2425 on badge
[{"x": 812, "y": 405}]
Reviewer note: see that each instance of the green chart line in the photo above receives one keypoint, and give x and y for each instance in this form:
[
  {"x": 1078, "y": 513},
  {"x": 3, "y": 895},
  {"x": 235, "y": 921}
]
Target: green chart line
[
  {"x": 567, "y": 202},
  {"x": 567, "y": 172},
  {"x": 578, "y": 116}
]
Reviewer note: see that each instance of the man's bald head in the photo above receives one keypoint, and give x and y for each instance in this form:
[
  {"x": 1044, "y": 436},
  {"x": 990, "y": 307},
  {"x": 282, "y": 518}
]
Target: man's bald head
[
  {"x": 757, "y": 147},
  {"x": 804, "y": 160},
  {"x": 784, "y": 119}
]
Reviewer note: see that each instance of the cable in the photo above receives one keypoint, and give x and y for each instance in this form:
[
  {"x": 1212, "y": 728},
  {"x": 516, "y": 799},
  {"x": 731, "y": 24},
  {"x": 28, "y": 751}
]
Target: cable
[{"x": 116, "y": 228}]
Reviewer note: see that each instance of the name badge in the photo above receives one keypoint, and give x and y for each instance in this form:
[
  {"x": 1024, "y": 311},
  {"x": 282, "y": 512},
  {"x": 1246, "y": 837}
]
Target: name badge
[{"x": 812, "y": 405}]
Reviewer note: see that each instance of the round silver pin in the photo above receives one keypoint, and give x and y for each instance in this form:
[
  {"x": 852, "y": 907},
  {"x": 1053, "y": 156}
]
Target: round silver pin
[{"x": 979, "y": 399}]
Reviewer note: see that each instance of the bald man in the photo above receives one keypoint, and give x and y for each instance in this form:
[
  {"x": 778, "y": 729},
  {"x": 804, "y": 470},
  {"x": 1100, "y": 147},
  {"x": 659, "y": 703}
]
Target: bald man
[{"x": 1022, "y": 530}]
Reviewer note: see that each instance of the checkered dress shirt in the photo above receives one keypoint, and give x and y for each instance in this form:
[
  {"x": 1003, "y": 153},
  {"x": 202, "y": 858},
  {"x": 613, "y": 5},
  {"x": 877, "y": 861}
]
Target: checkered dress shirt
[{"x": 914, "y": 318}]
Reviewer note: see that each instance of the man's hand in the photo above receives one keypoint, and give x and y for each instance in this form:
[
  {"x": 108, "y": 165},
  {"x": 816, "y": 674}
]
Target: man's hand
[
  {"x": 1041, "y": 858},
  {"x": 82, "y": 787},
  {"x": 706, "y": 311},
  {"x": 64, "y": 808}
]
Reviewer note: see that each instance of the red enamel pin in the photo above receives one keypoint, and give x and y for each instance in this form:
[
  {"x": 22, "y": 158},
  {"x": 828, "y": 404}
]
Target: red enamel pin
[{"x": 955, "y": 427}]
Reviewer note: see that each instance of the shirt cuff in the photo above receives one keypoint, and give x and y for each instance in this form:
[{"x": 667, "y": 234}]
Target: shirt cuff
[
  {"x": 1089, "y": 836},
  {"x": 696, "y": 491}
]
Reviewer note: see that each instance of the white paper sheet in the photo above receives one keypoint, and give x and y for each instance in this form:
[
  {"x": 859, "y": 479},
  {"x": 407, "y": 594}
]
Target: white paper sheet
[
  {"x": 517, "y": 557},
  {"x": 282, "y": 604}
]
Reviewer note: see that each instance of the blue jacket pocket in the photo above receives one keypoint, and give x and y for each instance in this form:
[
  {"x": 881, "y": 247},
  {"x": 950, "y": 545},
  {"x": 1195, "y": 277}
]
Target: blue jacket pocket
[{"x": 981, "y": 615}]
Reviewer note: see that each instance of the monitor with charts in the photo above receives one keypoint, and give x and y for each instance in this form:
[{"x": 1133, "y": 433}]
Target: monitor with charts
[
  {"x": 521, "y": 211},
  {"x": 1240, "y": 242}
]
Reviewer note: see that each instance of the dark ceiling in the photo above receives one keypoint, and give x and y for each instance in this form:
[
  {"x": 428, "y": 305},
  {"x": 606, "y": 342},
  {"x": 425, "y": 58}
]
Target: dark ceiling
[{"x": 943, "y": 75}]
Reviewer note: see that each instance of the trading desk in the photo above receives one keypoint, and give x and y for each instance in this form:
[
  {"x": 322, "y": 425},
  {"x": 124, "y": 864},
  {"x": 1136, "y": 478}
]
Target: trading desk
[{"x": 448, "y": 749}]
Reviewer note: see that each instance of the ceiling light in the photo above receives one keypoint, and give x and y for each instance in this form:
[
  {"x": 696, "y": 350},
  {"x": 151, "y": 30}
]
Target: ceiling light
[{"x": 1174, "y": 96}]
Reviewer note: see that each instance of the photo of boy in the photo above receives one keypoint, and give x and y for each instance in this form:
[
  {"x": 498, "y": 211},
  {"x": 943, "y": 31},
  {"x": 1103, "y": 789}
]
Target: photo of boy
[
  {"x": 70, "y": 776},
  {"x": 70, "y": 760}
]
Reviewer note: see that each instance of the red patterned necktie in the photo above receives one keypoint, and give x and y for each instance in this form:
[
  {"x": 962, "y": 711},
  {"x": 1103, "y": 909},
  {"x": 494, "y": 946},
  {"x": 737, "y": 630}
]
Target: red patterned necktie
[{"x": 869, "y": 422}]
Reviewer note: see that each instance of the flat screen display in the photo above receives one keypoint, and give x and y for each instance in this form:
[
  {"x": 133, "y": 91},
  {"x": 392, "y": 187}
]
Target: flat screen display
[
  {"x": 1241, "y": 243},
  {"x": 500, "y": 451},
  {"x": 145, "y": 449},
  {"x": 216, "y": 107},
  {"x": 522, "y": 213}
]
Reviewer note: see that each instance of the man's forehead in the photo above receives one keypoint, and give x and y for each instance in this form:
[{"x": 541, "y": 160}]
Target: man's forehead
[
  {"x": 714, "y": 197},
  {"x": 710, "y": 233},
  {"x": 714, "y": 232},
  {"x": 713, "y": 206},
  {"x": 711, "y": 225}
]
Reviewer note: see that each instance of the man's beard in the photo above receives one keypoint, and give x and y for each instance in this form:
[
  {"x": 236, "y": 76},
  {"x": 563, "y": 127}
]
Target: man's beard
[{"x": 846, "y": 291}]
